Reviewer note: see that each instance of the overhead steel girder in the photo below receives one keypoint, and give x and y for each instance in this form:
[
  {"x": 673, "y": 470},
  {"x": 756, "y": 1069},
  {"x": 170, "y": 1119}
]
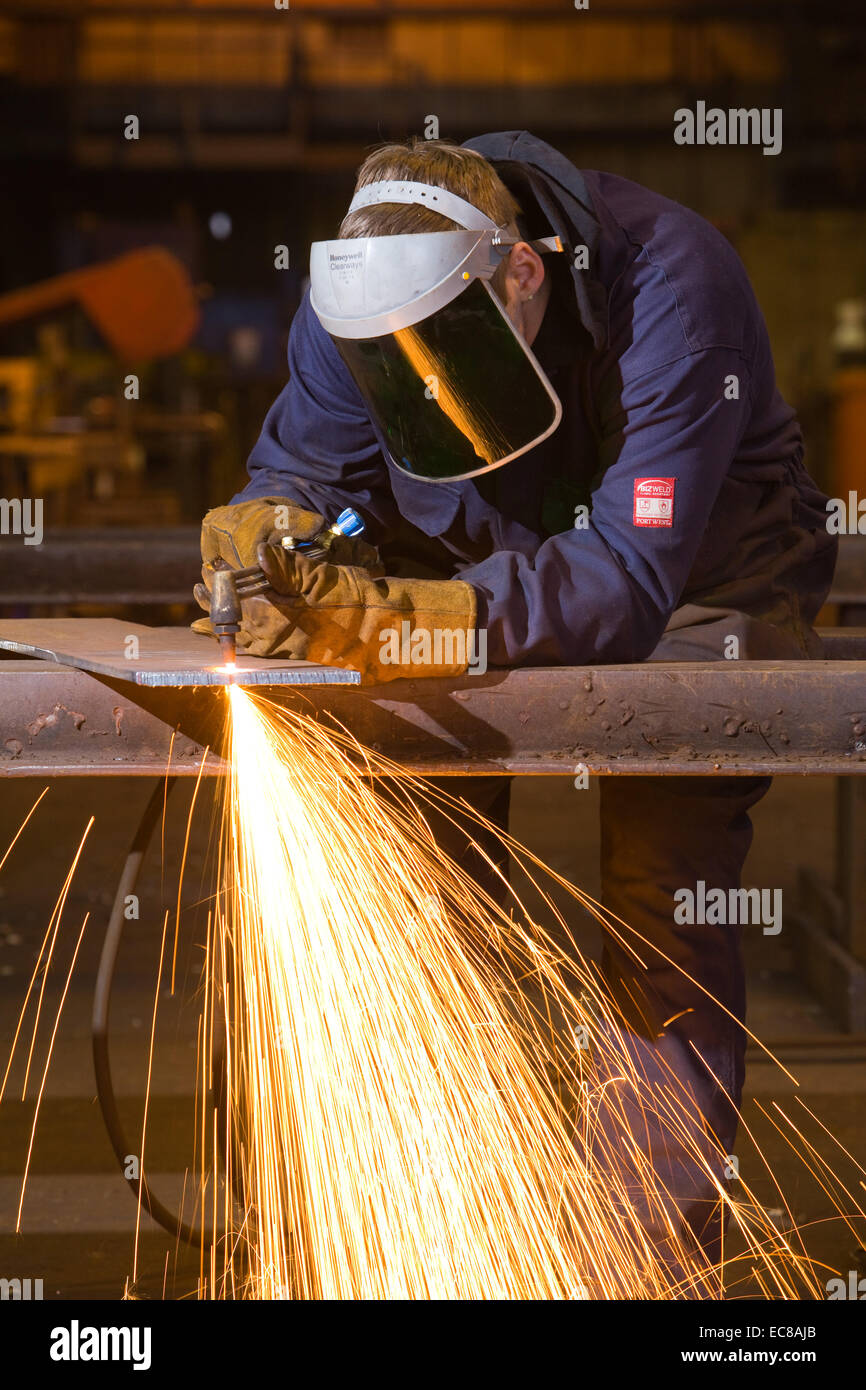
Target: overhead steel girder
[
  {"x": 131, "y": 565},
  {"x": 749, "y": 718}
]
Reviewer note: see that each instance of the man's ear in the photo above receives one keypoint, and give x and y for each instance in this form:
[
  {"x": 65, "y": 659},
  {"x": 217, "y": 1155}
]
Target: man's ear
[
  {"x": 526, "y": 290},
  {"x": 524, "y": 270}
]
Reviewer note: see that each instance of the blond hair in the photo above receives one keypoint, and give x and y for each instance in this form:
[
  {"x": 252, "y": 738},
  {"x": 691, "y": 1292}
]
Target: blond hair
[{"x": 443, "y": 164}]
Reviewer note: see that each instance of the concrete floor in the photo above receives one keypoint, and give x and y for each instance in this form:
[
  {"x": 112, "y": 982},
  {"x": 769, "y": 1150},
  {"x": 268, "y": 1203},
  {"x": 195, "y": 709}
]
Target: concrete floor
[{"x": 78, "y": 1219}]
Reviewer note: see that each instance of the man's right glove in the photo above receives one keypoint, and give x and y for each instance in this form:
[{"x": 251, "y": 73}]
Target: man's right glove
[{"x": 342, "y": 615}]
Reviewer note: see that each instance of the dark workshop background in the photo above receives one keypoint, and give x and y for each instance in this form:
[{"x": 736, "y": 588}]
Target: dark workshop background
[{"x": 252, "y": 120}]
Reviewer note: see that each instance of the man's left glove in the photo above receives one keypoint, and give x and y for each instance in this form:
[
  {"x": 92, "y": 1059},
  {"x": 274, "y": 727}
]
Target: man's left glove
[
  {"x": 341, "y": 615},
  {"x": 231, "y": 535}
]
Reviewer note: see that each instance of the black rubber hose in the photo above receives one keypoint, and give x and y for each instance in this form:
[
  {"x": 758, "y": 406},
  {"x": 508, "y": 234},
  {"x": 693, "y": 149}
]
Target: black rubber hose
[{"x": 101, "y": 1007}]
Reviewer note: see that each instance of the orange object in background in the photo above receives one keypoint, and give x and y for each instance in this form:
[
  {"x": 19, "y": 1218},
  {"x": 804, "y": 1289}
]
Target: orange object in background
[
  {"x": 848, "y": 461},
  {"x": 143, "y": 303}
]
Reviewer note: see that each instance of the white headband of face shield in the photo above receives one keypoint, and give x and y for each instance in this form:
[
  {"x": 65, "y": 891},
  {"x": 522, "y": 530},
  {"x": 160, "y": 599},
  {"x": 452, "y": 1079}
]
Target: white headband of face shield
[{"x": 427, "y": 195}]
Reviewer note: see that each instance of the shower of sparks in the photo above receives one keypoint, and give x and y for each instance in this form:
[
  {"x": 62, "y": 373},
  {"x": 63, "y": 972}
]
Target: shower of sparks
[
  {"x": 421, "y": 1102},
  {"x": 42, "y": 967},
  {"x": 417, "y": 1092}
]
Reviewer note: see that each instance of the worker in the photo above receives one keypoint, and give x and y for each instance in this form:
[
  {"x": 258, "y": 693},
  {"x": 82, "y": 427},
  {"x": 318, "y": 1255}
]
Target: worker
[{"x": 561, "y": 426}]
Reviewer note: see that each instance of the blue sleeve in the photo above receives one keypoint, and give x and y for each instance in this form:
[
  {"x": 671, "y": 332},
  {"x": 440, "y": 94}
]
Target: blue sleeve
[
  {"x": 317, "y": 444},
  {"x": 605, "y": 593}
]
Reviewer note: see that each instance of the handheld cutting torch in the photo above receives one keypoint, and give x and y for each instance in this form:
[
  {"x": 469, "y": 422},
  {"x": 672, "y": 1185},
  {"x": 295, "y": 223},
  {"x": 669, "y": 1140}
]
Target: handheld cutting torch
[{"x": 231, "y": 586}]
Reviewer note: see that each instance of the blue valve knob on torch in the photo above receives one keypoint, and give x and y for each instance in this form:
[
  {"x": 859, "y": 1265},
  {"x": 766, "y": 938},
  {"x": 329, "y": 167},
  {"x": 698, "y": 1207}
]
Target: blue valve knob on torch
[{"x": 348, "y": 523}]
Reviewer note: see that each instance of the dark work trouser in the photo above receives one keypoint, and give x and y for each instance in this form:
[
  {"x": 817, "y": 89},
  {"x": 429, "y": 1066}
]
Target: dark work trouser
[{"x": 660, "y": 834}]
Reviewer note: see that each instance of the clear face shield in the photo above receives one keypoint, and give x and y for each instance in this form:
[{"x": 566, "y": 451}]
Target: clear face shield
[{"x": 451, "y": 386}]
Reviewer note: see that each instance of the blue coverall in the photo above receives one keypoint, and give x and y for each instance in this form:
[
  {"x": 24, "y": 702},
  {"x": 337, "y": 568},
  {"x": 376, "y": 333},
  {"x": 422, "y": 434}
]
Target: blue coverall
[{"x": 703, "y": 523}]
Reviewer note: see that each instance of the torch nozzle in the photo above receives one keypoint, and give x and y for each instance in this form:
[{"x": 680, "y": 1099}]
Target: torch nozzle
[{"x": 225, "y": 613}]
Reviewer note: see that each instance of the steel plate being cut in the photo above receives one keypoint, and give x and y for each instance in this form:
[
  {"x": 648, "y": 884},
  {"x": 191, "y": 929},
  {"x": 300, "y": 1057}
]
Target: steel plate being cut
[{"x": 154, "y": 655}]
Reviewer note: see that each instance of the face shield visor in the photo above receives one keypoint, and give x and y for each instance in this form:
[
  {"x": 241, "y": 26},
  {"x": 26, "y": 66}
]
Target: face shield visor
[{"x": 451, "y": 386}]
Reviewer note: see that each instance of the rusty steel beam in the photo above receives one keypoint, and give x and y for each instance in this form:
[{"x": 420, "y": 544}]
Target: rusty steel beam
[
  {"x": 849, "y": 578},
  {"x": 749, "y": 718},
  {"x": 848, "y": 593},
  {"x": 843, "y": 643},
  {"x": 380, "y": 11},
  {"x": 120, "y": 565}
]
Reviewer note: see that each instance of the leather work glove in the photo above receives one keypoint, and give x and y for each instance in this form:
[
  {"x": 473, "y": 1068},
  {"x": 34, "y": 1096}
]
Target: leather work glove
[
  {"x": 231, "y": 535},
  {"x": 341, "y": 615}
]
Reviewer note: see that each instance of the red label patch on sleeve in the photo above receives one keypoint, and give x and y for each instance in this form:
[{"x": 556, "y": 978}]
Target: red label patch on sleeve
[{"x": 654, "y": 501}]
